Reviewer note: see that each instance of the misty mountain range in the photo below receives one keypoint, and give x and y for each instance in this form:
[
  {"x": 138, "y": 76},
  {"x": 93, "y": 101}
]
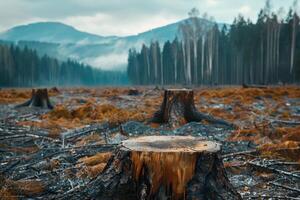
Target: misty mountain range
[{"x": 63, "y": 41}]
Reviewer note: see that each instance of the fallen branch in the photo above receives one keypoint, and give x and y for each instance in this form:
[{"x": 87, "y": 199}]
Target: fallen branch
[
  {"x": 256, "y": 165},
  {"x": 82, "y": 131},
  {"x": 239, "y": 153},
  {"x": 28, "y": 135},
  {"x": 283, "y": 163},
  {"x": 264, "y": 196},
  {"x": 285, "y": 187},
  {"x": 283, "y": 122}
]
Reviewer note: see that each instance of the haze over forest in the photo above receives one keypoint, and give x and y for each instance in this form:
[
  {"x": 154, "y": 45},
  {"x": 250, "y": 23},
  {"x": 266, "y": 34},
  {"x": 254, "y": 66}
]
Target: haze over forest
[{"x": 198, "y": 50}]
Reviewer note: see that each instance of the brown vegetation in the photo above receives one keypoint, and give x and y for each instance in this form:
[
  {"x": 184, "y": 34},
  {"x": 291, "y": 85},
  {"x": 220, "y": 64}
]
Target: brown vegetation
[
  {"x": 13, "y": 96},
  {"x": 249, "y": 95},
  {"x": 9, "y": 96},
  {"x": 234, "y": 104},
  {"x": 16, "y": 189},
  {"x": 91, "y": 112},
  {"x": 93, "y": 165}
]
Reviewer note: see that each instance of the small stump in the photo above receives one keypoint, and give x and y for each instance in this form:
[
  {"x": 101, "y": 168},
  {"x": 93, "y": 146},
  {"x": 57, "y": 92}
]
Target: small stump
[
  {"x": 178, "y": 107},
  {"x": 164, "y": 167},
  {"x": 39, "y": 98},
  {"x": 133, "y": 92},
  {"x": 54, "y": 90}
]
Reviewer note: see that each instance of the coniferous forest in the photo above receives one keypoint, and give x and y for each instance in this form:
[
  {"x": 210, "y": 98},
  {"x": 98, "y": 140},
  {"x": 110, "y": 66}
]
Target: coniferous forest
[
  {"x": 22, "y": 67},
  {"x": 199, "y": 109},
  {"x": 265, "y": 52}
]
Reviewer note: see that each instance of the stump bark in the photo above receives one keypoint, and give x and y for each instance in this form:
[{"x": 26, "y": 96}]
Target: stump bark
[
  {"x": 163, "y": 167},
  {"x": 254, "y": 86},
  {"x": 178, "y": 107},
  {"x": 133, "y": 92},
  {"x": 39, "y": 98},
  {"x": 54, "y": 90}
]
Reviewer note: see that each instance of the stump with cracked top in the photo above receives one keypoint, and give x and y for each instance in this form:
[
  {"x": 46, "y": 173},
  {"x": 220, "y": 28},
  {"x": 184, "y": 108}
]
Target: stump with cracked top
[
  {"x": 39, "y": 98},
  {"x": 163, "y": 167},
  {"x": 178, "y": 107}
]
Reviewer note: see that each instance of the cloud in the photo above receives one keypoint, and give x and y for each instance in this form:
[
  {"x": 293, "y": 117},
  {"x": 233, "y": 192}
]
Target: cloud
[
  {"x": 212, "y": 2},
  {"x": 245, "y": 9},
  {"x": 105, "y": 24},
  {"x": 123, "y": 17},
  {"x": 115, "y": 61}
]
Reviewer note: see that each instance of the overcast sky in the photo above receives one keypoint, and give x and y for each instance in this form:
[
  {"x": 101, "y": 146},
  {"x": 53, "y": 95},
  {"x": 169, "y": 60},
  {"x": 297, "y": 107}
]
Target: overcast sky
[{"x": 124, "y": 17}]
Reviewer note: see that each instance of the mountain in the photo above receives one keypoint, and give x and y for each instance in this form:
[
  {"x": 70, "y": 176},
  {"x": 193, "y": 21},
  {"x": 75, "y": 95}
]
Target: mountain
[
  {"x": 51, "y": 32},
  {"x": 64, "y": 42}
]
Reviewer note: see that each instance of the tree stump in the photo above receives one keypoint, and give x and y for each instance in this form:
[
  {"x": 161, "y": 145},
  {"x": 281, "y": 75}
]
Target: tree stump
[
  {"x": 163, "y": 167},
  {"x": 133, "y": 92},
  {"x": 178, "y": 107},
  {"x": 54, "y": 90},
  {"x": 39, "y": 98},
  {"x": 254, "y": 86}
]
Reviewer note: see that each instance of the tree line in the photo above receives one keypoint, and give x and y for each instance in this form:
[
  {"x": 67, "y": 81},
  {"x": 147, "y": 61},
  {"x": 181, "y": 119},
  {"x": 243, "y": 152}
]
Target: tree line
[
  {"x": 22, "y": 67},
  {"x": 265, "y": 52}
]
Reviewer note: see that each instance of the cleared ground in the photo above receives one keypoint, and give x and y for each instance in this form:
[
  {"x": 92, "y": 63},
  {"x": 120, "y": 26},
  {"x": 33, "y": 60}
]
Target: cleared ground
[{"x": 50, "y": 152}]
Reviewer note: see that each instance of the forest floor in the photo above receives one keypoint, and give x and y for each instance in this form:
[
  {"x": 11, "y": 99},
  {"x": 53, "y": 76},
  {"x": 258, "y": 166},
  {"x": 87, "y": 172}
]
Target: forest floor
[{"x": 46, "y": 153}]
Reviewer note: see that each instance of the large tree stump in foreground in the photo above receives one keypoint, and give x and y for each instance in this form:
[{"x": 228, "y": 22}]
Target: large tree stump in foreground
[
  {"x": 163, "y": 167},
  {"x": 39, "y": 98},
  {"x": 178, "y": 107}
]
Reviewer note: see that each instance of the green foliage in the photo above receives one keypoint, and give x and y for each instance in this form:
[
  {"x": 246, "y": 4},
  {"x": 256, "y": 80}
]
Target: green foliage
[
  {"x": 265, "y": 52},
  {"x": 22, "y": 67}
]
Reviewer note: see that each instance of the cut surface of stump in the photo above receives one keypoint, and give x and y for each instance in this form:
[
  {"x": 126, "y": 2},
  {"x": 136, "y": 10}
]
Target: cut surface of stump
[
  {"x": 39, "y": 98},
  {"x": 163, "y": 167},
  {"x": 178, "y": 107}
]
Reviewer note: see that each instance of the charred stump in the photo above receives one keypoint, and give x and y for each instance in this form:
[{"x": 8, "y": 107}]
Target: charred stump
[
  {"x": 39, "y": 98},
  {"x": 162, "y": 167},
  {"x": 133, "y": 92},
  {"x": 54, "y": 90},
  {"x": 178, "y": 107},
  {"x": 254, "y": 86}
]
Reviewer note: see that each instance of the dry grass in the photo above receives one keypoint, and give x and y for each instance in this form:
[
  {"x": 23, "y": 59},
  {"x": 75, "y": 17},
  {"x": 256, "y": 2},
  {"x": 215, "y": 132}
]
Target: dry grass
[
  {"x": 282, "y": 142},
  {"x": 275, "y": 142},
  {"x": 285, "y": 144},
  {"x": 88, "y": 106},
  {"x": 8, "y": 96},
  {"x": 7, "y": 194},
  {"x": 289, "y": 150},
  {"x": 248, "y": 95},
  {"x": 27, "y": 150},
  {"x": 62, "y": 118},
  {"x": 93, "y": 138},
  {"x": 93, "y": 165},
  {"x": 14, "y": 189},
  {"x": 96, "y": 159}
]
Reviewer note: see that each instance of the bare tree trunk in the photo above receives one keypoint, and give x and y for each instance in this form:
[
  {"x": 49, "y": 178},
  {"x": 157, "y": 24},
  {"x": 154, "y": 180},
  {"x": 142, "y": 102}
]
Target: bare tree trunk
[
  {"x": 184, "y": 61},
  {"x": 195, "y": 62},
  {"x": 162, "y": 69},
  {"x": 178, "y": 108},
  {"x": 293, "y": 45},
  {"x": 262, "y": 59},
  {"x": 202, "y": 58},
  {"x": 162, "y": 167},
  {"x": 188, "y": 53},
  {"x": 278, "y": 52}
]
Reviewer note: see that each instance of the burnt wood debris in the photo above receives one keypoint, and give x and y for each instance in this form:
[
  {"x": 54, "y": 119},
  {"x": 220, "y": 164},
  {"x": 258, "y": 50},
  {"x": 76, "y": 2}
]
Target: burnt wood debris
[{"x": 141, "y": 161}]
